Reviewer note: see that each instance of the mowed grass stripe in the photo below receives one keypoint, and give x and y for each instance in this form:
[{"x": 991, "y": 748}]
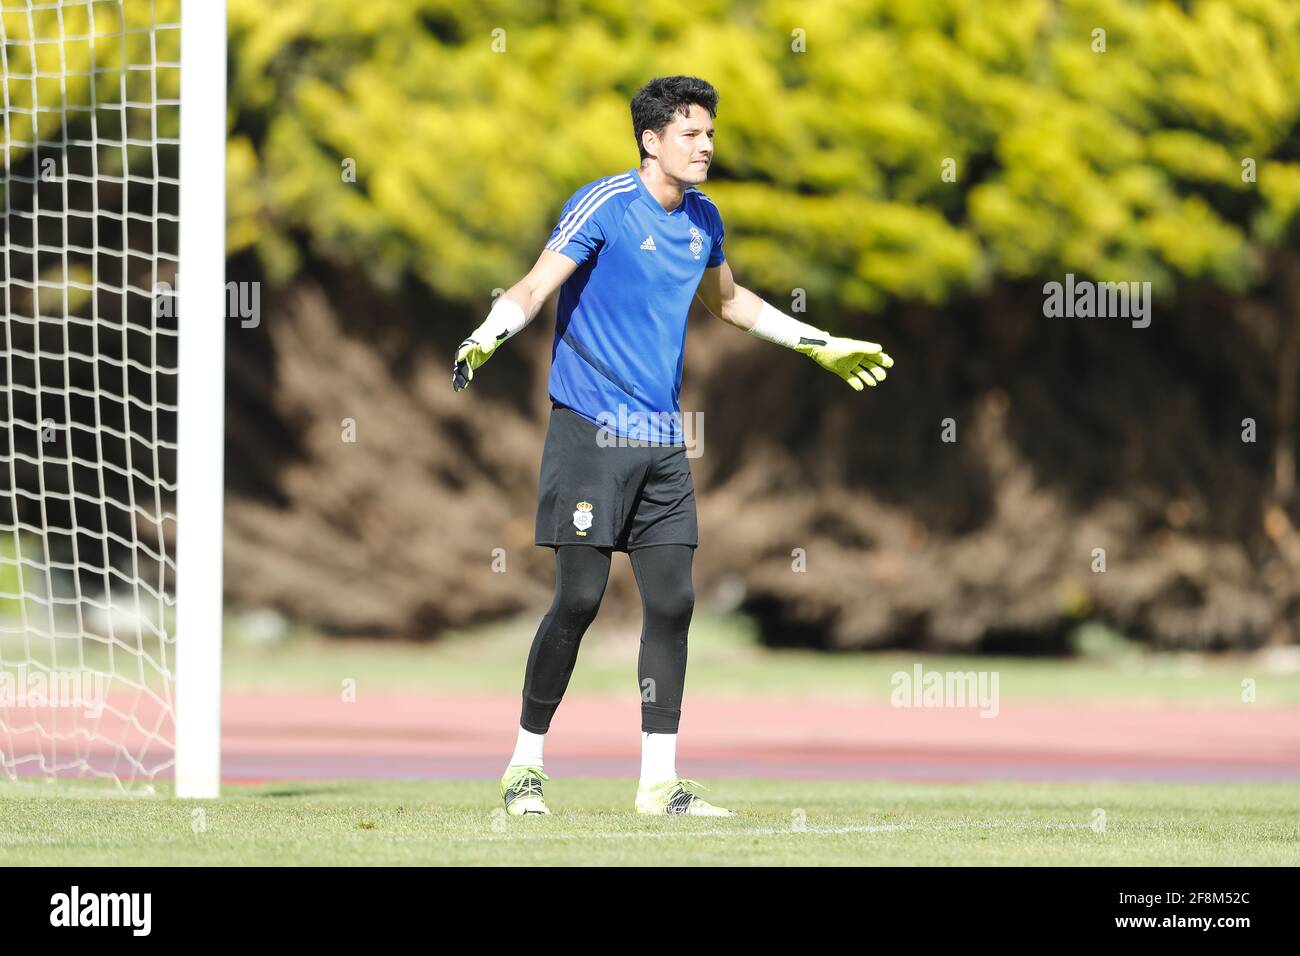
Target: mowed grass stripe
[{"x": 845, "y": 823}]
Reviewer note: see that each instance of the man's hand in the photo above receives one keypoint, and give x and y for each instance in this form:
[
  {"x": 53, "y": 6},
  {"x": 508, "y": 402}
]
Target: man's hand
[
  {"x": 506, "y": 318},
  {"x": 861, "y": 364},
  {"x": 470, "y": 356},
  {"x": 510, "y": 313}
]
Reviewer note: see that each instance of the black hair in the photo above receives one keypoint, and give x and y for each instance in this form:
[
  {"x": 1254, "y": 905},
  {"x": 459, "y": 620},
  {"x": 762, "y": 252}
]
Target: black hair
[{"x": 655, "y": 105}]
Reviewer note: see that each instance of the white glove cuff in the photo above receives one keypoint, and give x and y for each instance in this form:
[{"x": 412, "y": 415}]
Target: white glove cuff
[
  {"x": 506, "y": 318},
  {"x": 773, "y": 325}
]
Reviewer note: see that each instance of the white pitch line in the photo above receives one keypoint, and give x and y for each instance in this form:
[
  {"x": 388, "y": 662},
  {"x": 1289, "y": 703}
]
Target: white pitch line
[{"x": 820, "y": 831}]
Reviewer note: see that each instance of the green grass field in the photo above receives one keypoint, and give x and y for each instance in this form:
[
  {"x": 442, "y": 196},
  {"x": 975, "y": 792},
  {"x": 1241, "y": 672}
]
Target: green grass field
[
  {"x": 869, "y": 823},
  {"x": 725, "y": 659},
  {"x": 858, "y": 823}
]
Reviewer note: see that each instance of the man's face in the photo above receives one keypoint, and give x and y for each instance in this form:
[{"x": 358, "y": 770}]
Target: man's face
[{"x": 685, "y": 149}]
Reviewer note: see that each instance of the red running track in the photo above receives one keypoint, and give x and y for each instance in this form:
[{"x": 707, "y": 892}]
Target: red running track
[
  {"x": 294, "y": 735},
  {"x": 303, "y": 736}
]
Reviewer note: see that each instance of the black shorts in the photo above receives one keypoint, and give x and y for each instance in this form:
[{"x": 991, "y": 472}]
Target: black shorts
[{"x": 617, "y": 496}]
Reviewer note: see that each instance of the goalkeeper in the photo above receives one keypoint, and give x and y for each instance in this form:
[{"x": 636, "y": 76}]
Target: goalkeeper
[{"x": 627, "y": 255}]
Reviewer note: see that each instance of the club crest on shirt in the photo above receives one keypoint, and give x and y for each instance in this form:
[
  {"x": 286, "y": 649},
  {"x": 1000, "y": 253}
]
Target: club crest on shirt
[
  {"x": 697, "y": 242},
  {"x": 582, "y": 517}
]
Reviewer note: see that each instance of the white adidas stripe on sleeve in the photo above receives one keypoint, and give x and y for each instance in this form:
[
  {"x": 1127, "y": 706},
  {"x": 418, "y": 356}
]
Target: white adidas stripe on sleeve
[
  {"x": 586, "y": 203},
  {"x": 613, "y": 189}
]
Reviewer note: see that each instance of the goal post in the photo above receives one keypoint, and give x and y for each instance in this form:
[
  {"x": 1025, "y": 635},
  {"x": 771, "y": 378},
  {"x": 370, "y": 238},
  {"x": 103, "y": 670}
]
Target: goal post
[
  {"x": 112, "y": 270},
  {"x": 201, "y": 297}
]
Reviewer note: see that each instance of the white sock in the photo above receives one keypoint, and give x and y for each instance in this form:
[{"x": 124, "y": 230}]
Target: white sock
[
  {"x": 528, "y": 749},
  {"x": 658, "y": 758}
]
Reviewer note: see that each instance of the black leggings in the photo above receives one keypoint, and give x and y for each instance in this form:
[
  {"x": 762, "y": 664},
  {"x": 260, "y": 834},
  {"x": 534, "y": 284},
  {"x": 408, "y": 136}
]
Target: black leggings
[{"x": 663, "y": 574}]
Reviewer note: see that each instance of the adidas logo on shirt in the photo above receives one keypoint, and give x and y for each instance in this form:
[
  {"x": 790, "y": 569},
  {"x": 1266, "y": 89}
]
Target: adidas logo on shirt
[{"x": 649, "y": 243}]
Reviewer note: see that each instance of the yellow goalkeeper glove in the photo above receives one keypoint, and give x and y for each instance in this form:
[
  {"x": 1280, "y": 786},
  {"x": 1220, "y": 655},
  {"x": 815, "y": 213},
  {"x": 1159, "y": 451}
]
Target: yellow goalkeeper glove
[
  {"x": 861, "y": 364},
  {"x": 505, "y": 319}
]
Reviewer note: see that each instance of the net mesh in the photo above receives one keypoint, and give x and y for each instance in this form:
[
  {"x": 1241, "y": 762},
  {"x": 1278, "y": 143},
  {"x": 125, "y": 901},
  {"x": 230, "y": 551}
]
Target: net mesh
[{"x": 88, "y": 380}]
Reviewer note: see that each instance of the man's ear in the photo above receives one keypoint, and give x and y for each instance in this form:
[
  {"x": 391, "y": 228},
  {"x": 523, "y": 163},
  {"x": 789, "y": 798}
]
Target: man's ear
[{"x": 650, "y": 143}]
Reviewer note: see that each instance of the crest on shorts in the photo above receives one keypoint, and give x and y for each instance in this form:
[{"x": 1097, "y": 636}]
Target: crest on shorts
[{"x": 582, "y": 517}]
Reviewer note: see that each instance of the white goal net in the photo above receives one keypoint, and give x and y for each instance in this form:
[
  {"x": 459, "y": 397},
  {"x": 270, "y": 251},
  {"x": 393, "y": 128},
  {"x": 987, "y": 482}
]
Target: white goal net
[{"x": 89, "y": 378}]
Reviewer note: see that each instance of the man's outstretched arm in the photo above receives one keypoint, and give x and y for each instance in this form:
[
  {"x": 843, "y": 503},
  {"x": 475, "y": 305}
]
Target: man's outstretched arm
[
  {"x": 859, "y": 363},
  {"x": 512, "y": 311}
]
